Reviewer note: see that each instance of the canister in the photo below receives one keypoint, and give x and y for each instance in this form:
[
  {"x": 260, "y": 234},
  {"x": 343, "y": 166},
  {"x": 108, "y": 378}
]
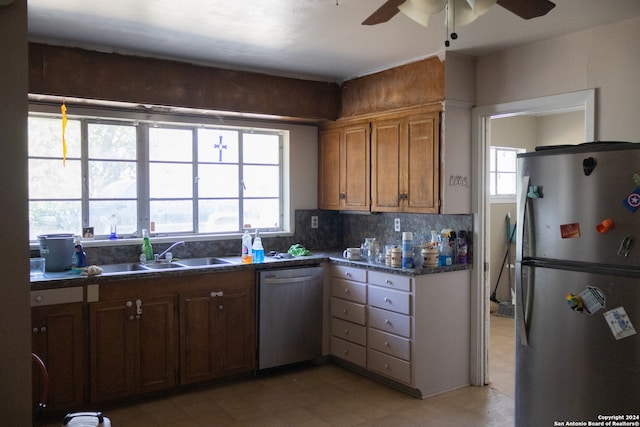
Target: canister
[
  {"x": 396, "y": 257},
  {"x": 430, "y": 255}
]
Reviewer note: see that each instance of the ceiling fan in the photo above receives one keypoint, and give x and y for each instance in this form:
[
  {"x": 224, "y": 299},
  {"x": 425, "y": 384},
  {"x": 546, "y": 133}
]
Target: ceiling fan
[{"x": 464, "y": 11}]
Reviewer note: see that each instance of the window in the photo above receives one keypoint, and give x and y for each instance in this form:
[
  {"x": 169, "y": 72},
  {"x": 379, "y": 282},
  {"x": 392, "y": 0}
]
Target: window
[
  {"x": 502, "y": 171},
  {"x": 169, "y": 177}
]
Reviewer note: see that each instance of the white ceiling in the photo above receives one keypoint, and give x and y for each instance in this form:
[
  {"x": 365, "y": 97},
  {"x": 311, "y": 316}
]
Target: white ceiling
[{"x": 314, "y": 39}]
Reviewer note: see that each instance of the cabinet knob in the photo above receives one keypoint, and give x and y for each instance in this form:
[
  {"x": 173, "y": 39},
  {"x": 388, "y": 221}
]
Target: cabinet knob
[
  {"x": 386, "y": 300},
  {"x": 346, "y": 332},
  {"x": 131, "y": 317},
  {"x": 388, "y": 282},
  {"x": 39, "y": 298},
  {"x": 221, "y": 307},
  {"x": 35, "y": 330},
  {"x": 345, "y": 311},
  {"x": 386, "y": 343},
  {"x": 43, "y": 329},
  {"x": 387, "y": 322},
  {"x": 345, "y": 351},
  {"x": 346, "y": 290},
  {"x": 386, "y": 366},
  {"x": 347, "y": 274},
  {"x": 129, "y": 304},
  {"x": 137, "y": 317}
]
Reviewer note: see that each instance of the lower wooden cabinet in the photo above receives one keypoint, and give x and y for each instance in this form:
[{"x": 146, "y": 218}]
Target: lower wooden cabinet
[
  {"x": 58, "y": 339},
  {"x": 217, "y": 329},
  {"x": 133, "y": 347}
]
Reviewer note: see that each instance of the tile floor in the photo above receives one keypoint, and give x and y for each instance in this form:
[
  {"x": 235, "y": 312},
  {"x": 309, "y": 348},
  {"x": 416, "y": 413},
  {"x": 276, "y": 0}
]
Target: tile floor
[{"x": 331, "y": 396}]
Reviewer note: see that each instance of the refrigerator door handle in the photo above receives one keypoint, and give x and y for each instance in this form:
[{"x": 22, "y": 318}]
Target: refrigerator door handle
[{"x": 520, "y": 298}]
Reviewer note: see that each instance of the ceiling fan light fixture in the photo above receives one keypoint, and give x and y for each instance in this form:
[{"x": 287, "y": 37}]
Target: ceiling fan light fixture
[
  {"x": 421, "y": 10},
  {"x": 464, "y": 12},
  {"x": 480, "y": 7}
]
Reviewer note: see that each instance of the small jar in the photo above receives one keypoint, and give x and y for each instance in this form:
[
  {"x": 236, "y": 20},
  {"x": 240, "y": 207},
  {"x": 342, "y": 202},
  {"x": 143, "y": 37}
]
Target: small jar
[
  {"x": 396, "y": 257},
  {"x": 430, "y": 255}
]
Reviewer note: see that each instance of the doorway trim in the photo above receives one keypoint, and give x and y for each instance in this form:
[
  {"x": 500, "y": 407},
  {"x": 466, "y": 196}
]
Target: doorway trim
[{"x": 480, "y": 140}]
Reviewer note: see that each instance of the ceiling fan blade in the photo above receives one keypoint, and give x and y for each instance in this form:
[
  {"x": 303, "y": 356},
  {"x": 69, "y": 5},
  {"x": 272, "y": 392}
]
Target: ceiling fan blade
[
  {"x": 527, "y": 9},
  {"x": 385, "y": 12}
]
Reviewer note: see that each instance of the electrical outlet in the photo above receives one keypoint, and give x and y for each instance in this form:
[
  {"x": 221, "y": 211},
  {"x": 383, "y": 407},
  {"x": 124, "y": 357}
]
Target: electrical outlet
[
  {"x": 314, "y": 221},
  {"x": 396, "y": 224}
]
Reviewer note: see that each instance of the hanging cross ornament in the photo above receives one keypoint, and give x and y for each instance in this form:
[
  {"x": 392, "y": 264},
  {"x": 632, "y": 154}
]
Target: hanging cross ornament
[{"x": 220, "y": 147}]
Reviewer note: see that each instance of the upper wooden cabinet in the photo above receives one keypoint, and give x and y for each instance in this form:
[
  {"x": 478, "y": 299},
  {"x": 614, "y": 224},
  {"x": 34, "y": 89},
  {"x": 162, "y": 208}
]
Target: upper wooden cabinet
[
  {"x": 343, "y": 167},
  {"x": 405, "y": 160}
]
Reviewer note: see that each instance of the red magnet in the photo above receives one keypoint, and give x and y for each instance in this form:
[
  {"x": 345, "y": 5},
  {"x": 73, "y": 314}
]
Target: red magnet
[{"x": 605, "y": 226}]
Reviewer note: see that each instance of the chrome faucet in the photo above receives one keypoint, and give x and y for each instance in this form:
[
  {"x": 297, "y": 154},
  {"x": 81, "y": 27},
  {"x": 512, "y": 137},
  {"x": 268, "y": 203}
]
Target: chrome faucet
[{"x": 157, "y": 257}]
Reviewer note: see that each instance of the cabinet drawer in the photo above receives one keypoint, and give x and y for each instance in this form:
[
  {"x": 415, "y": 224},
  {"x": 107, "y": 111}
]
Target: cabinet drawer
[
  {"x": 56, "y": 296},
  {"x": 389, "y": 366},
  {"x": 350, "y": 273},
  {"x": 393, "y": 281},
  {"x": 346, "y": 350},
  {"x": 352, "y": 291},
  {"x": 389, "y": 321},
  {"x": 349, "y": 331},
  {"x": 348, "y": 311},
  {"x": 390, "y": 344},
  {"x": 389, "y": 299}
]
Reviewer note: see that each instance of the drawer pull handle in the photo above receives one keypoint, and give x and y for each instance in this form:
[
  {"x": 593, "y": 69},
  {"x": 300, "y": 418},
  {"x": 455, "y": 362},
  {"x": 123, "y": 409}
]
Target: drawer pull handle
[
  {"x": 345, "y": 351},
  {"x": 346, "y": 290},
  {"x": 346, "y": 332},
  {"x": 388, "y": 282},
  {"x": 347, "y": 274},
  {"x": 345, "y": 311},
  {"x": 386, "y": 321},
  {"x": 386, "y": 343},
  {"x": 387, "y": 300},
  {"x": 386, "y": 366}
]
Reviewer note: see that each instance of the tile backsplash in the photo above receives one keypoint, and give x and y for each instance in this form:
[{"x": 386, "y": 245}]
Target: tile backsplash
[{"x": 335, "y": 231}]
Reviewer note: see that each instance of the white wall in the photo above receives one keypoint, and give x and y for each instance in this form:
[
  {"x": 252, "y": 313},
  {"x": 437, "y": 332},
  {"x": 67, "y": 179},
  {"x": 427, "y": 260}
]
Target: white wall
[
  {"x": 559, "y": 129},
  {"x": 605, "y": 58},
  {"x": 15, "y": 320}
]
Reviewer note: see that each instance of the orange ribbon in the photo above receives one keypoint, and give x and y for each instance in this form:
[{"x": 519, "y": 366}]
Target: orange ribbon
[{"x": 64, "y": 127}]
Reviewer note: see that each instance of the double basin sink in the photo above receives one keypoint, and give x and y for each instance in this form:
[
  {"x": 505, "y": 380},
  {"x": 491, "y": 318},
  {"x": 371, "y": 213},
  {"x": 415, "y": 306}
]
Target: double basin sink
[{"x": 163, "y": 265}]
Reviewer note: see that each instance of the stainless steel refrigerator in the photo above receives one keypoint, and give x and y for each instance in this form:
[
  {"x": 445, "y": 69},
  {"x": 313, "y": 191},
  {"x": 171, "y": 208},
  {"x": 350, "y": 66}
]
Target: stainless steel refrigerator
[{"x": 578, "y": 285}]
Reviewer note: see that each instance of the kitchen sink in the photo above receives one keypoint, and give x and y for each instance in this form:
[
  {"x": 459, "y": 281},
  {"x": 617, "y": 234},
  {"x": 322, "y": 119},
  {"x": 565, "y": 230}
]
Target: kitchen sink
[
  {"x": 121, "y": 268},
  {"x": 195, "y": 262},
  {"x": 162, "y": 265}
]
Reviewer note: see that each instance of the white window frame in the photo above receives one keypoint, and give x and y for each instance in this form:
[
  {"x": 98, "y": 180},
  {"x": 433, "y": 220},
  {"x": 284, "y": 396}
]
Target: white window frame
[
  {"x": 142, "y": 121},
  {"x": 493, "y": 152}
]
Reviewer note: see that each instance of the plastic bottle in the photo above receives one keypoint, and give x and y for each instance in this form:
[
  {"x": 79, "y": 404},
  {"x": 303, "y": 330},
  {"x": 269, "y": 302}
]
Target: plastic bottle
[
  {"x": 80, "y": 255},
  {"x": 257, "y": 249},
  {"x": 407, "y": 249},
  {"x": 247, "y": 257},
  {"x": 462, "y": 247},
  {"x": 147, "y": 249},
  {"x": 113, "y": 235},
  {"x": 444, "y": 257}
]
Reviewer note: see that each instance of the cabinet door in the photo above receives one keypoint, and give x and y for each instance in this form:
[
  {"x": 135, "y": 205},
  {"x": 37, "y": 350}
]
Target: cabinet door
[
  {"x": 217, "y": 333},
  {"x": 387, "y": 162},
  {"x": 157, "y": 347},
  {"x": 58, "y": 338},
  {"x": 329, "y": 191},
  {"x": 423, "y": 163},
  {"x": 355, "y": 174},
  {"x": 132, "y": 347},
  {"x": 112, "y": 341}
]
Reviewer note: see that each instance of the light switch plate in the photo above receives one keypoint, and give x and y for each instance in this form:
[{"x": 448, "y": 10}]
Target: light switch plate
[{"x": 314, "y": 221}]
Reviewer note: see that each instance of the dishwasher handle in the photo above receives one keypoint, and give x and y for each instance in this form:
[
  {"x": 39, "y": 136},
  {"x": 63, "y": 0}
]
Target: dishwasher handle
[{"x": 288, "y": 280}]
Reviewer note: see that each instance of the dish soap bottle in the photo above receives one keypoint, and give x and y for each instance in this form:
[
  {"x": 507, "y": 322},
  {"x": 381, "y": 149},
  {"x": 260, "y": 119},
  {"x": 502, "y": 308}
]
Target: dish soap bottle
[
  {"x": 81, "y": 256},
  {"x": 257, "y": 249},
  {"x": 247, "y": 257},
  {"x": 147, "y": 249}
]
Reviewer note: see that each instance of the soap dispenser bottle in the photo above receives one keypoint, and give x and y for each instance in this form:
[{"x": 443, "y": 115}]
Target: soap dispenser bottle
[
  {"x": 257, "y": 249},
  {"x": 147, "y": 249},
  {"x": 80, "y": 255}
]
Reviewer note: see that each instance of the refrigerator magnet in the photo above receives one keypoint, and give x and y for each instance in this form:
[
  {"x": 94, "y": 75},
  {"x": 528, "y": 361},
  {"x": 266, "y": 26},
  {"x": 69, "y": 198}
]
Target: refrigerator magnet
[
  {"x": 619, "y": 323},
  {"x": 593, "y": 299},
  {"x": 570, "y": 231},
  {"x": 632, "y": 201}
]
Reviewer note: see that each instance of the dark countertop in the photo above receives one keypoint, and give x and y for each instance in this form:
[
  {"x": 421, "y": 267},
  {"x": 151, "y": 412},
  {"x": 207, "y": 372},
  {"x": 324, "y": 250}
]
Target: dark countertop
[{"x": 70, "y": 278}]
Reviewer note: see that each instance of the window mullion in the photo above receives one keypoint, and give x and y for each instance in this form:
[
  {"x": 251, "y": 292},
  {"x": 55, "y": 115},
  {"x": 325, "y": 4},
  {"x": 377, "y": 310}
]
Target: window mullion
[
  {"x": 194, "y": 181},
  {"x": 84, "y": 171},
  {"x": 143, "y": 176}
]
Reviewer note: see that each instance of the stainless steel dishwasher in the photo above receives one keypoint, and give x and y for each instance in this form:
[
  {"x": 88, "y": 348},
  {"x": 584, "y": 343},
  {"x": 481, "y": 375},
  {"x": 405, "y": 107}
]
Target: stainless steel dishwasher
[{"x": 289, "y": 316}]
